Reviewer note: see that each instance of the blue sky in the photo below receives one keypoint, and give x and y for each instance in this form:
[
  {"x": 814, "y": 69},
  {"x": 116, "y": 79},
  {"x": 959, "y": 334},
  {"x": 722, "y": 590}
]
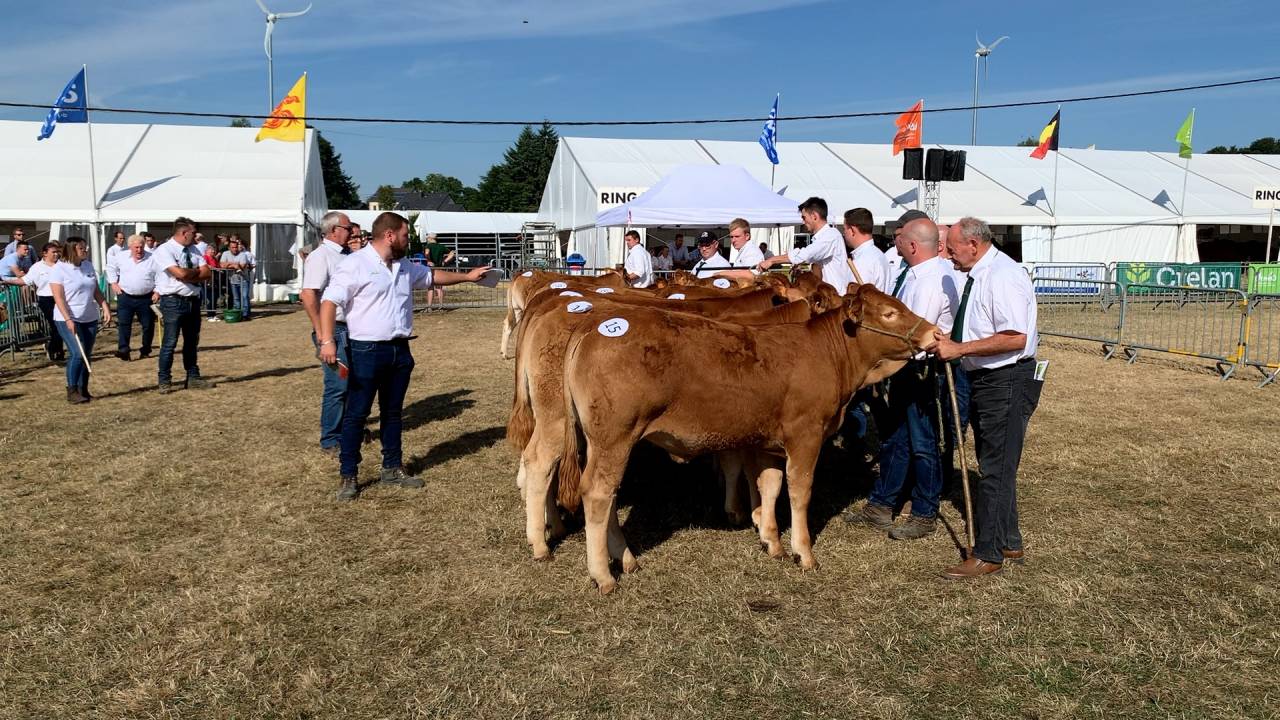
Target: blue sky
[{"x": 657, "y": 59}]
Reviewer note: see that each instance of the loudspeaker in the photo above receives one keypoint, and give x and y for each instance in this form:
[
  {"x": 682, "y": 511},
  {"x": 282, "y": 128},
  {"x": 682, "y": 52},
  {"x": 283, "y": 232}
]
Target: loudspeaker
[
  {"x": 933, "y": 169},
  {"x": 953, "y": 166},
  {"x": 913, "y": 164}
]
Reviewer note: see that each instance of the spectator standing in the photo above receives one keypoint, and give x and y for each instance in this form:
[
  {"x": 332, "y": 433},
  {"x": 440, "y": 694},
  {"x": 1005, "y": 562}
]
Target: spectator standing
[
  {"x": 662, "y": 259},
  {"x": 15, "y": 235},
  {"x": 681, "y": 257},
  {"x": 765, "y": 252},
  {"x": 237, "y": 262},
  {"x": 216, "y": 288},
  {"x": 320, "y": 267},
  {"x": 11, "y": 265},
  {"x": 151, "y": 242},
  {"x": 38, "y": 278},
  {"x": 437, "y": 256},
  {"x": 78, "y": 307},
  {"x": 374, "y": 288},
  {"x": 179, "y": 272},
  {"x": 116, "y": 249},
  {"x": 638, "y": 265},
  {"x": 133, "y": 280}
]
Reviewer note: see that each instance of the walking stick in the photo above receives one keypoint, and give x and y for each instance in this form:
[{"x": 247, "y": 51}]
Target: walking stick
[
  {"x": 964, "y": 461},
  {"x": 76, "y": 336}
]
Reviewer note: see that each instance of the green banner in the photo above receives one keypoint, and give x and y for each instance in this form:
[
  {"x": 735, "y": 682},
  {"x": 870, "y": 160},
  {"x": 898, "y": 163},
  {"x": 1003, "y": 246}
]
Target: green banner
[
  {"x": 1264, "y": 279},
  {"x": 1209, "y": 276}
]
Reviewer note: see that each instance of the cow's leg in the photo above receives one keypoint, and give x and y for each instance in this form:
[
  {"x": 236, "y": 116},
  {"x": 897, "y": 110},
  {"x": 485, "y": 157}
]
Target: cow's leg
[
  {"x": 800, "y": 465},
  {"x": 520, "y": 478},
  {"x": 754, "y": 463},
  {"x": 731, "y": 466},
  {"x": 600, "y": 480},
  {"x": 769, "y": 480},
  {"x": 537, "y": 462},
  {"x": 618, "y": 549}
]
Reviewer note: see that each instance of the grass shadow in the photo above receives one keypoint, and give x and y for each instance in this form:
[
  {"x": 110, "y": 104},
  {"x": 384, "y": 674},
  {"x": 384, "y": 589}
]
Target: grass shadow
[
  {"x": 461, "y": 446},
  {"x": 274, "y": 372},
  {"x": 435, "y": 408}
]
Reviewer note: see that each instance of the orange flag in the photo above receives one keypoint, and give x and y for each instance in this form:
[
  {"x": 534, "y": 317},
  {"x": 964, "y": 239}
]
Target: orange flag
[
  {"x": 910, "y": 124},
  {"x": 288, "y": 121}
]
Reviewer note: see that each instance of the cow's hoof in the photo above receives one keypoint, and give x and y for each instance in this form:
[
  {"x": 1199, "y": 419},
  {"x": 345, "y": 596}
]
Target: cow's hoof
[
  {"x": 543, "y": 557},
  {"x": 630, "y": 564},
  {"x": 805, "y": 563},
  {"x": 773, "y": 550},
  {"x": 608, "y": 587},
  {"x": 755, "y": 517}
]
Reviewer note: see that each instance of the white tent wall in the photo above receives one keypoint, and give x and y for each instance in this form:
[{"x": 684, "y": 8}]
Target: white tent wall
[{"x": 1108, "y": 243}]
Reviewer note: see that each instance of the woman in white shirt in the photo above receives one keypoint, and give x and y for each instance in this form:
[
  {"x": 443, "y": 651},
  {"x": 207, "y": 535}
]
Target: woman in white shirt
[
  {"x": 38, "y": 278},
  {"x": 662, "y": 259},
  {"x": 78, "y": 307}
]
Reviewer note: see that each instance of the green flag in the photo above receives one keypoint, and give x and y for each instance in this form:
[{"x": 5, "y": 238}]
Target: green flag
[{"x": 1184, "y": 135}]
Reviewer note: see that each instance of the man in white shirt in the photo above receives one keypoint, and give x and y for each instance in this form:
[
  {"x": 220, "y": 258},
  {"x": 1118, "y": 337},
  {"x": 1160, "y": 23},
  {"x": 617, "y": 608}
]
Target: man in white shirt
[
  {"x": 319, "y": 269},
  {"x": 133, "y": 280},
  {"x": 825, "y": 251},
  {"x": 638, "y": 265},
  {"x": 201, "y": 246},
  {"x": 872, "y": 266},
  {"x": 180, "y": 270},
  {"x": 681, "y": 256},
  {"x": 373, "y": 287},
  {"x": 908, "y": 418},
  {"x": 742, "y": 252},
  {"x": 995, "y": 336},
  {"x": 709, "y": 257},
  {"x": 117, "y": 249}
]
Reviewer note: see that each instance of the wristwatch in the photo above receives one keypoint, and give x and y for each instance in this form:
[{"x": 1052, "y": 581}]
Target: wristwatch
[{"x": 326, "y": 342}]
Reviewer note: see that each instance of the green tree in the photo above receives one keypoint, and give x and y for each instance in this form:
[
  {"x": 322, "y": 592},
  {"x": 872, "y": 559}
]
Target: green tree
[
  {"x": 1261, "y": 146},
  {"x": 516, "y": 183},
  {"x": 447, "y": 184},
  {"x": 1028, "y": 142},
  {"x": 385, "y": 197},
  {"x": 240, "y": 123},
  {"x": 338, "y": 186}
]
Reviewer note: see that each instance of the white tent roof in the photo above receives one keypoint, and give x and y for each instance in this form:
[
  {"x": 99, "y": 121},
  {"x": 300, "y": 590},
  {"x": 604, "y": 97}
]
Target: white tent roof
[
  {"x": 703, "y": 196},
  {"x": 472, "y": 223},
  {"x": 154, "y": 173}
]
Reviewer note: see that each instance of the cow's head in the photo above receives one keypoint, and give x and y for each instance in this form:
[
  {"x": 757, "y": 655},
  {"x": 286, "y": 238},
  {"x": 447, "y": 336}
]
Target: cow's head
[
  {"x": 883, "y": 325},
  {"x": 823, "y": 299}
]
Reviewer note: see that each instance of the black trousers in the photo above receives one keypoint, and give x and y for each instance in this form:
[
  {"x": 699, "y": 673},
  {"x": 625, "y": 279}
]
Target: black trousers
[
  {"x": 129, "y": 307},
  {"x": 54, "y": 347},
  {"x": 1001, "y": 405}
]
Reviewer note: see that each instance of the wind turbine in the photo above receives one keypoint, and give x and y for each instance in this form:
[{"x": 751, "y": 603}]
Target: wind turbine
[
  {"x": 982, "y": 53},
  {"x": 266, "y": 45}
]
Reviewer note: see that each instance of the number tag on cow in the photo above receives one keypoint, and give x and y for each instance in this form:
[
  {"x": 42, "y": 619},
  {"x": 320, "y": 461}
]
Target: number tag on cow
[
  {"x": 558, "y": 285},
  {"x": 721, "y": 283},
  {"x": 676, "y": 296},
  {"x": 604, "y": 291},
  {"x": 614, "y": 327},
  {"x": 527, "y": 273},
  {"x": 579, "y": 307},
  {"x": 570, "y": 293}
]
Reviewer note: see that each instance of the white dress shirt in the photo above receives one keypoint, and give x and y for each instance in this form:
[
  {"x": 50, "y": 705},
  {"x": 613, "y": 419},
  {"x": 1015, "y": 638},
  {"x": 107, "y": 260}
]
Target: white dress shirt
[
  {"x": 930, "y": 291},
  {"x": 826, "y": 253},
  {"x": 318, "y": 270},
  {"x": 135, "y": 277},
  {"x": 661, "y": 263},
  {"x": 173, "y": 254},
  {"x": 640, "y": 263},
  {"x": 78, "y": 284},
  {"x": 38, "y": 278},
  {"x": 749, "y": 256},
  {"x": 114, "y": 253},
  {"x": 873, "y": 266},
  {"x": 377, "y": 300},
  {"x": 707, "y": 268},
  {"x": 894, "y": 259},
  {"x": 1001, "y": 299}
]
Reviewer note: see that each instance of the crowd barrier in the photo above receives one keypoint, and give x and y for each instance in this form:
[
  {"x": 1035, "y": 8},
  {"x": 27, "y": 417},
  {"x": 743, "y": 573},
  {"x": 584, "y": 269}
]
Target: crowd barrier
[
  {"x": 1195, "y": 322},
  {"x": 1087, "y": 277},
  {"x": 1090, "y": 310},
  {"x": 23, "y": 325},
  {"x": 1262, "y": 336}
]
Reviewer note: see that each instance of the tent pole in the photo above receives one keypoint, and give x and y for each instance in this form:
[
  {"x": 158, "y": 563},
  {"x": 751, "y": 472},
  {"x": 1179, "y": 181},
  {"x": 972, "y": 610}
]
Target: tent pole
[{"x": 1271, "y": 217}]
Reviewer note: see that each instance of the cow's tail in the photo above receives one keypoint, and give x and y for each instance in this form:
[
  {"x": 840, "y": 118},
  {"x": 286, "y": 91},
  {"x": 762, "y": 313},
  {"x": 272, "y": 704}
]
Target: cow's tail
[
  {"x": 569, "y": 492},
  {"x": 520, "y": 426}
]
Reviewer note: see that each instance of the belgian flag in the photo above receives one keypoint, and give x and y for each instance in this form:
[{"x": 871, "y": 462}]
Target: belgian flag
[{"x": 1048, "y": 138}]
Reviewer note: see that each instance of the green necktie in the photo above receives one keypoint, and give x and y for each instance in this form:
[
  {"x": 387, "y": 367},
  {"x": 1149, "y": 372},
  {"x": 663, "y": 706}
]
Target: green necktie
[
  {"x": 957, "y": 330},
  {"x": 902, "y": 277}
]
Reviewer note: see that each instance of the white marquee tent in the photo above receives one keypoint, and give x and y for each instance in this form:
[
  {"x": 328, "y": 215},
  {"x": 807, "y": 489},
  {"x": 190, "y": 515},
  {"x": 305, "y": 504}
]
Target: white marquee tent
[
  {"x": 156, "y": 173},
  {"x": 1111, "y": 205}
]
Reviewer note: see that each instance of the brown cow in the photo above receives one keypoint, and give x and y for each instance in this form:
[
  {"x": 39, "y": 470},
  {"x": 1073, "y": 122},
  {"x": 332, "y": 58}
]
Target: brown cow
[
  {"x": 805, "y": 375},
  {"x": 537, "y": 415},
  {"x": 525, "y": 284}
]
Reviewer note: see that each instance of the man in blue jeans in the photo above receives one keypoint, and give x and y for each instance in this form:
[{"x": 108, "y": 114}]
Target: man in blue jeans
[
  {"x": 179, "y": 271},
  {"x": 319, "y": 269},
  {"x": 995, "y": 337},
  {"x": 374, "y": 289}
]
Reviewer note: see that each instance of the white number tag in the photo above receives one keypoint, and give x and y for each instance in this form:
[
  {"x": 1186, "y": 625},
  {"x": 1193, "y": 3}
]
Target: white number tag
[
  {"x": 570, "y": 293},
  {"x": 604, "y": 291},
  {"x": 721, "y": 283},
  {"x": 579, "y": 307},
  {"x": 527, "y": 273},
  {"x": 676, "y": 296},
  {"x": 614, "y": 327},
  {"x": 558, "y": 285}
]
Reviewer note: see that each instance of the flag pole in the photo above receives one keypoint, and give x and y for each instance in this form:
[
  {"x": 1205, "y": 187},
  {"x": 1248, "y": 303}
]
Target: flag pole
[
  {"x": 773, "y": 167},
  {"x": 1053, "y": 229},
  {"x": 93, "y": 174}
]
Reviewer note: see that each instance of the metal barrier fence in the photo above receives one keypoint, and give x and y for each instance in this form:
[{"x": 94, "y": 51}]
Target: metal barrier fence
[
  {"x": 1089, "y": 274},
  {"x": 1262, "y": 336},
  {"x": 1187, "y": 321},
  {"x": 23, "y": 324},
  {"x": 1082, "y": 309}
]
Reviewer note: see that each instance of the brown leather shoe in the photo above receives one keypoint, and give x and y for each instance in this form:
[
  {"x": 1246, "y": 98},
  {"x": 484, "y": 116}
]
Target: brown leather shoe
[
  {"x": 1014, "y": 556},
  {"x": 970, "y": 569}
]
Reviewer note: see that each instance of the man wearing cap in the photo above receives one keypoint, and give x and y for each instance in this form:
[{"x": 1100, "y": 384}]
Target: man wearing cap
[
  {"x": 873, "y": 268},
  {"x": 639, "y": 264},
  {"x": 825, "y": 251},
  {"x": 709, "y": 257},
  {"x": 908, "y": 419},
  {"x": 995, "y": 337},
  {"x": 373, "y": 287}
]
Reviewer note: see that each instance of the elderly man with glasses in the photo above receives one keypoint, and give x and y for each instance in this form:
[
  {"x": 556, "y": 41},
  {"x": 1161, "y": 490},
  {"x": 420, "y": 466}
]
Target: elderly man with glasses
[{"x": 319, "y": 268}]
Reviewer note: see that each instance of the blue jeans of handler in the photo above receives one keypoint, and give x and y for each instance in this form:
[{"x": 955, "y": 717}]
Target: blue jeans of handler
[
  {"x": 240, "y": 297},
  {"x": 180, "y": 314},
  {"x": 129, "y": 307},
  {"x": 909, "y": 443},
  {"x": 334, "y": 397},
  {"x": 77, "y": 369},
  {"x": 377, "y": 368},
  {"x": 1002, "y": 402}
]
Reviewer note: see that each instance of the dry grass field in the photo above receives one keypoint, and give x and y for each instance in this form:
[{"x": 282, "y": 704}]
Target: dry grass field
[{"x": 182, "y": 556}]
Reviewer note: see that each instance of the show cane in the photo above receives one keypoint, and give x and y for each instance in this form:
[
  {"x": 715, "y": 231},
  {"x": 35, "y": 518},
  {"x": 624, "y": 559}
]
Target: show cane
[
  {"x": 964, "y": 461},
  {"x": 76, "y": 336}
]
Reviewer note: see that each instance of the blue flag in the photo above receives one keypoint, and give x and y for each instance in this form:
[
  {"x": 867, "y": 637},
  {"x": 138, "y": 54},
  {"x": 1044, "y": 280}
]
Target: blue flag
[
  {"x": 769, "y": 135},
  {"x": 68, "y": 108}
]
